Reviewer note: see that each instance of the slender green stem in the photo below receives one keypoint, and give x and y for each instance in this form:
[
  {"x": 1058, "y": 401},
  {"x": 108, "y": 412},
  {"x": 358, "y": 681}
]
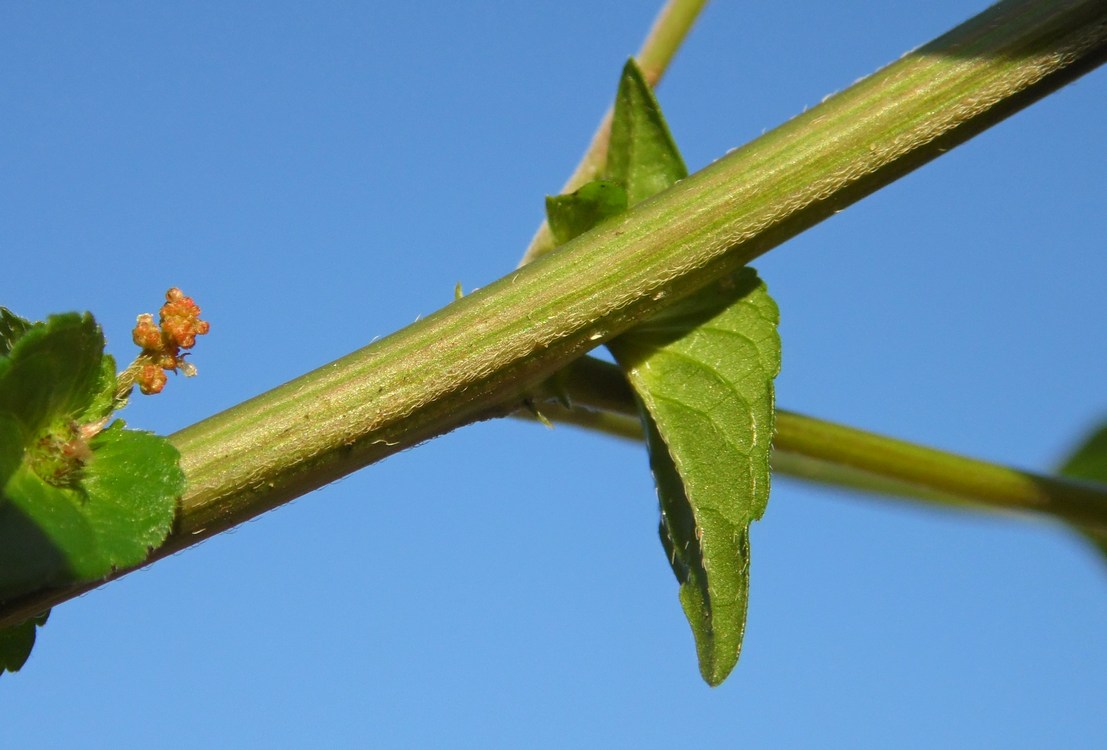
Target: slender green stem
[
  {"x": 835, "y": 454},
  {"x": 667, "y": 34},
  {"x": 477, "y": 357},
  {"x": 796, "y": 465},
  {"x": 939, "y": 473}
]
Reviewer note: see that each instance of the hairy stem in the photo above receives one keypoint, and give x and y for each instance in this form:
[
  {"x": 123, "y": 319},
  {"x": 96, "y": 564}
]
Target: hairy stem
[{"x": 477, "y": 357}]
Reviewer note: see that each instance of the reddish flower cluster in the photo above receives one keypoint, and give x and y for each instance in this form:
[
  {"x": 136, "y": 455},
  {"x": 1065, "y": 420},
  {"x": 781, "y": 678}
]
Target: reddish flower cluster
[{"x": 179, "y": 325}]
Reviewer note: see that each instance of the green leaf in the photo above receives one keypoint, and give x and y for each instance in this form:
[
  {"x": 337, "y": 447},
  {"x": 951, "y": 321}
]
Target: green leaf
[
  {"x": 103, "y": 400},
  {"x": 76, "y": 500},
  {"x": 702, "y": 370},
  {"x": 52, "y": 371},
  {"x": 11, "y": 446},
  {"x": 1089, "y": 461},
  {"x": 575, "y": 213},
  {"x": 641, "y": 154},
  {"x": 17, "y": 641},
  {"x": 121, "y": 507},
  {"x": 703, "y": 373},
  {"x": 12, "y": 327}
]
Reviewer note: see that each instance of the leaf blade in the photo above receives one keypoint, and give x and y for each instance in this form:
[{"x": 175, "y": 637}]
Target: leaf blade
[
  {"x": 1089, "y": 461},
  {"x": 76, "y": 500},
  {"x": 17, "y": 641},
  {"x": 679, "y": 367},
  {"x": 573, "y": 214},
  {"x": 641, "y": 154},
  {"x": 703, "y": 371},
  {"x": 122, "y": 506},
  {"x": 52, "y": 370}
]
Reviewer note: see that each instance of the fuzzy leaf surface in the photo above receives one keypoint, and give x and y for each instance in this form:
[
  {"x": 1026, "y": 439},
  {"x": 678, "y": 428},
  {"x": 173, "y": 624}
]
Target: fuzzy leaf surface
[
  {"x": 121, "y": 507},
  {"x": 76, "y": 500},
  {"x": 51, "y": 373}
]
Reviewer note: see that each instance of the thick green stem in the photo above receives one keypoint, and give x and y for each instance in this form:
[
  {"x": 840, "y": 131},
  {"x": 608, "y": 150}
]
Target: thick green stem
[
  {"x": 477, "y": 357},
  {"x": 667, "y": 34}
]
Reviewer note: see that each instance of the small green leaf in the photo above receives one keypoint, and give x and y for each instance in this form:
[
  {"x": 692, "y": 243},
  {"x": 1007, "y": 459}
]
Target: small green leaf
[
  {"x": 574, "y": 214},
  {"x": 135, "y": 479},
  {"x": 76, "y": 500},
  {"x": 12, "y": 328},
  {"x": 51, "y": 373},
  {"x": 641, "y": 154},
  {"x": 1089, "y": 461},
  {"x": 702, "y": 370},
  {"x": 17, "y": 641},
  {"x": 120, "y": 508}
]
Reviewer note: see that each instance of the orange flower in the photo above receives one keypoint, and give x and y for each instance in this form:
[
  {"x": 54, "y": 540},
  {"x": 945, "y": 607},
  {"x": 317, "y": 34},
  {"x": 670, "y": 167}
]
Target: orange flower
[{"x": 180, "y": 324}]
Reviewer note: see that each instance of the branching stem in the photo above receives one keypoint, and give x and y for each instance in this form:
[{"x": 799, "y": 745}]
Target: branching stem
[
  {"x": 477, "y": 357},
  {"x": 667, "y": 34},
  {"x": 600, "y": 399}
]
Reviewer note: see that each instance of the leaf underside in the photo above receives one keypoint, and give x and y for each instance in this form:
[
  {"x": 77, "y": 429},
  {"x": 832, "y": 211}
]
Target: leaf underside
[{"x": 702, "y": 371}]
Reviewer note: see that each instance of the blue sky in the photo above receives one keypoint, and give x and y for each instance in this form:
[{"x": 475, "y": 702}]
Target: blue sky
[{"x": 319, "y": 175}]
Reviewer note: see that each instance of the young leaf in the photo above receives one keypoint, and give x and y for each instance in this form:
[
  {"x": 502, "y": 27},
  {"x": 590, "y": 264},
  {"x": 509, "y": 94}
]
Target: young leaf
[
  {"x": 51, "y": 373},
  {"x": 75, "y": 500},
  {"x": 1089, "y": 461},
  {"x": 12, "y": 327},
  {"x": 641, "y": 154},
  {"x": 703, "y": 371},
  {"x": 575, "y": 213},
  {"x": 17, "y": 641},
  {"x": 120, "y": 507}
]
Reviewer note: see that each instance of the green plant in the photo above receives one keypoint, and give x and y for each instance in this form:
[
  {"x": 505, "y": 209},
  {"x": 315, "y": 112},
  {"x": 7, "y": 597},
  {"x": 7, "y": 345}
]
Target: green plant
[{"x": 742, "y": 214}]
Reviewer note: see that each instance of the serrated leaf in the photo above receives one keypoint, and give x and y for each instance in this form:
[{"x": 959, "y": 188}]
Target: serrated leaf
[
  {"x": 135, "y": 478},
  {"x": 121, "y": 507},
  {"x": 1089, "y": 461},
  {"x": 51, "y": 373},
  {"x": 575, "y": 213},
  {"x": 76, "y": 501},
  {"x": 17, "y": 641},
  {"x": 702, "y": 370},
  {"x": 12, "y": 327},
  {"x": 641, "y": 155}
]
